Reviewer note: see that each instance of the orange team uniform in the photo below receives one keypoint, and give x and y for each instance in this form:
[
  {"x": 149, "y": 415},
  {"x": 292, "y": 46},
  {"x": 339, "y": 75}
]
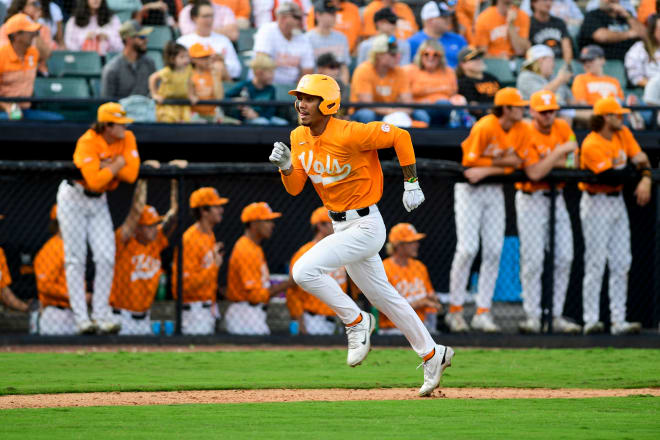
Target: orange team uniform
[
  {"x": 429, "y": 87},
  {"x": 5, "y": 276},
  {"x": 343, "y": 163},
  {"x": 248, "y": 278},
  {"x": 299, "y": 301},
  {"x": 411, "y": 281},
  {"x": 590, "y": 88},
  {"x": 347, "y": 21},
  {"x": 137, "y": 271},
  {"x": 17, "y": 76},
  {"x": 204, "y": 86},
  {"x": 466, "y": 12},
  {"x": 406, "y": 26},
  {"x": 541, "y": 146},
  {"x": 200, "y": 272},
  {"x": 241, "y": 8},
  {"x": 488, "y": 141},
  {"x": 599, "y": 154},
  {"x": 386, "y": 88},
  {"x": 491, "y": 32},
  {"x": 49, "y": 271}
]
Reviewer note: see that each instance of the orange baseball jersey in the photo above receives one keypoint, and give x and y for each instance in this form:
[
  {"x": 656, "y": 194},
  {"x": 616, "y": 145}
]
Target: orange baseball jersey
[
  {"x": 92, "y": 148},
  {"x": 488, "y": 141},
  {"x": 347, "y": 21},
  {"x": 590, "y": 88},
  {"x": 205, "y": 86},
  {"x": 298, "y": 301},
  {"x": 343, "y": 164},
  {"x": 598, "y": 155},
  {"x": 411, "y": 281},
  {"x": 5, "y": 276},
  {"x": 386, "y": 88},
  {"x": 429, "y": 87},
  {"x": 137, "y": 271},
  {"x": 248, "y": 278},
  {"x": 17, "y": 75},
  {"x": 406, "y": 26},
  {"x": 49, "y": 271},
  {"x": 541, "y": 146},
  {"x": 491, "y": 32},
  {"x": 200, "y": 271}
]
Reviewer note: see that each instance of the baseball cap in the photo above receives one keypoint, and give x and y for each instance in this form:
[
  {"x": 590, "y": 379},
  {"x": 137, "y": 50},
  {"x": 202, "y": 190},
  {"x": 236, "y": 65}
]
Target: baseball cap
[
  {"x": 132, "y": 28},
  {"x": 509, "y": 96},
  {"x": 324, "y": 6},
  {"x": 434, "y": 9},
  {"x": 20, "y": 22},
  {"x": 206, "y": 196},
  {"x": 385, "y": 14},
  {"x": 537, "y": 52},
  {"x": 112, "y": 112},
  {"x": 320, "y": 215},
  {"x": 258, "y": 211},
  {"x": 149, "y": 216},
  {"x": 591, "y": 52},
  {"x": 609, "y": 106},
  {"x": 469, "y": 53},
  {"x": 53, "y": 212},
  {"x": 289, "y": 8},
  {"x": 198, "y": 50},
  {"x": 404, "y": 233},
  {"x": 384, "y": 43},
  {"x": 543, "y": 100}
]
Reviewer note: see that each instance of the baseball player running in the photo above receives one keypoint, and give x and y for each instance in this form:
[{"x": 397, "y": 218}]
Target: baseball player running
[
  {"x": 341, "y": 160},
  {"x": 604, "y": 217},
  {"x": 106, "y": 154}
]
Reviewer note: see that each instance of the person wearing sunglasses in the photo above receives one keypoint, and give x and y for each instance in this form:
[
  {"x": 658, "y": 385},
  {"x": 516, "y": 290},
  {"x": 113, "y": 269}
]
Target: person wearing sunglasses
[{"x": 437, "y": 19}]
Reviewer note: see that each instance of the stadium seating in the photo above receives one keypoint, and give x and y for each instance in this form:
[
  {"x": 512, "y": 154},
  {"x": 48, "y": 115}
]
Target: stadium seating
[
  {"x": 158, "y": 37},
  {"x": 245, "y": 40},
  {"x": 157, "y": 56},
  {"x": 65, "y": 88},
  {"x": 78, "y": 64},
  {"x": 501, "y": 68},
  {"x": 124, "y": 15},
  {"x": 616, "y": 69}
]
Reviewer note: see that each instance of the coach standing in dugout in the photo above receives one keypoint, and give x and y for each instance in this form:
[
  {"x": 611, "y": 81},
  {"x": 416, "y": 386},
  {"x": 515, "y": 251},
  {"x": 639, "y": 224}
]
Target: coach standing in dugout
[
  {"x": 605, "y": 226},
  {"x": 106, "y": 155}
]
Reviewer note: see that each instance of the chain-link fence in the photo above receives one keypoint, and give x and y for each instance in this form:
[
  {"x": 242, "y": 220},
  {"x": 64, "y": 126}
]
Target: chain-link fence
[{"x": 108, "y": 263}]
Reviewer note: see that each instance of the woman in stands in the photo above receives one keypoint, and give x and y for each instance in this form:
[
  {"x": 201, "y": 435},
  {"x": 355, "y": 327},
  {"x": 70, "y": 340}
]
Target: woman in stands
[
  {"x": 51, "y": 16},
  {"x": 642, "y": 60},
  {"x": 93, "y": 27}
]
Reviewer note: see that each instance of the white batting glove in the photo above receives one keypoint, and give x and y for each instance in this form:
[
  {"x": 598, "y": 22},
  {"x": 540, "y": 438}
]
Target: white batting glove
[
  {"x": 412, "y": 195},
  {"x": 281, "y": 156}
]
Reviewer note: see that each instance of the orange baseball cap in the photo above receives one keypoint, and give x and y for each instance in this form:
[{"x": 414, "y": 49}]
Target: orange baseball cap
[
  {"x": 320, "y": 215},
  {"x": 543, "y": 100},
  {"x": 206, "y": 196},
  {"x": 149, "y": 216},
  {"x": 609, "y": 106},
  {"x": 404, "y": 233},
  {"x": 53, "y": 212},
  {"x": 21, "y": 22},
  {"x": 258, "y": 211},
  {"x": 112, "y": 112},
  {"x": 509, "y": 96},
  {"x": 198, "y": 50}
]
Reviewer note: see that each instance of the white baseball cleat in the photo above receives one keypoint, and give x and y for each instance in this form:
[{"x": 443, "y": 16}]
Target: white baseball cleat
[
  {"x": 593, "y": 327},
  {"x": 563, "y": 325},
  {"x": 484, "y": 322},
  {"x": 108, "y": 326},
  {"x": 359, "y": 339},
  {"x": 530, "y": 325},
  {"x": 625, "y": 328},
  {"x": 86, "y": 327},
  {"x": 456, "y": 322},
  {"x": 434, "y": 367}
]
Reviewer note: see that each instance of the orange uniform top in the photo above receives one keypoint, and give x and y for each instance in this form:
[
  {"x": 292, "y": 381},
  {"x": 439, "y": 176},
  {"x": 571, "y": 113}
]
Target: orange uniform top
[
  {"x": 342, "y": 162},
  {"x": 49, "y": 271},
  {"x": 204, "y": 89},
  {"x": 137, "y": 271},
  {"x": 299, "y": 301},
  {"x": 541, "y": 146},
  {"x": 599, "y": 154},
  {"x": 248, "y": 278},
  {"x": 429, "y": 87},
  {"x": 200, "y": 271},
  {"x": 590, "y": 88},
  {"x": 347, "y": 21},
  {"x": 406, "y": 26},
  {"x": 411, "y": 281},
  {"x": 16, "y": 75},
  {"x": 386, "y": 88},
  {"x": 91, "y": 149},
  {"x": 491, "y": 32},
  {"x": 241, "y": 8},
  {"x": 465, "y": 15},
  {"x": 488, "y": 141},
  {"x": 5, "y": 276}
]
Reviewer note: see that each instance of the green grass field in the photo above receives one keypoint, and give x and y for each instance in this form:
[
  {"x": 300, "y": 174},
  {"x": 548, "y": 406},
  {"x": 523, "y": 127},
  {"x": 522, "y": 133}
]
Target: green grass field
[{"x": 627, "y": 417}]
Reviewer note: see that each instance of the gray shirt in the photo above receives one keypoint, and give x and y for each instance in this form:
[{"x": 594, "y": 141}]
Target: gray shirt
[
  {"x": 529, "y": 82},
  {"x": 335, "y": 43},
  {"x": 121, "y": 78},
  {"x": 365, "y": 47}
]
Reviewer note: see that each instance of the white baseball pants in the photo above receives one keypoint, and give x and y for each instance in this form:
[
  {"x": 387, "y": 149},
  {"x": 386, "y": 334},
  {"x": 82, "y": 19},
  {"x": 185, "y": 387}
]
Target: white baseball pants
[
  {"x": 243, "y": 318},
  {"x": 606, "y": 232},
  {"x": 355, "y": 244},
  {"x": 54, "y": 321},
  {"x": 199, "y": 319},
  {"x": 132, "y": 326},
  {"x": 533, "y": 215},
  {"x": 479, "y": 212},
  {"x": 82, "y": 219},
  {"x": 319, "y": 324}
]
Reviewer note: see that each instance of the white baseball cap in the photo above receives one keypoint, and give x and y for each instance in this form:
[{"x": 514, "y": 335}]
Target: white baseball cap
[
  {"x": 434, "y": 9},
  {"x": 537, "y": 52}
]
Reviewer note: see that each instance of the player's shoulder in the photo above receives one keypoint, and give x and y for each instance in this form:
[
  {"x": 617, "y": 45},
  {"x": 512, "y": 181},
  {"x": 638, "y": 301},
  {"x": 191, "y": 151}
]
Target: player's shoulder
[{"x": 485, "y": 123}]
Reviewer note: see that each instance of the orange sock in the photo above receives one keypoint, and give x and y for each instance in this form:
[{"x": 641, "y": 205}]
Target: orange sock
[
  {"x": 455, "y": 309},
  {"x": 356, "y": 322},
  {"x": 481, "y": 310},
  {"x": 430, "y": 355}
]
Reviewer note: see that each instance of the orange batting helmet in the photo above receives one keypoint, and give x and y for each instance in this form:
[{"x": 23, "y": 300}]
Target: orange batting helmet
[{"x": 322, "y": 86}]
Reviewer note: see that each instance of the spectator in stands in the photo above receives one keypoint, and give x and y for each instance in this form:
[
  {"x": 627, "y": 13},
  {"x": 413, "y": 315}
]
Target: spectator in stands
[
  {"x": 174, "y": 81},
  {"x": 282, "y": 41},
  {"x": 207, "y": 79},
  {"x": 437, "y": 19},
  {"x": 93, "y": 27},
  {"x": 224, "y": 21},
  {"x": 474, "y": 83},
  {"x": 612, "y": 27},
  {"x": 652, "y": 94},
  {"x": 242, "y": 11},
  {"x": 406, "y": 25},
  {"x": 347, "y": 21},
  {"x": 593, "y": 85},
  {"x": 467, "y": 12},
  {"x": 43, "y": 41},
  {"x": 566, "y": 10},
  {"x": 626, "y": 4},
  {"x": 385, "y": 21},
  {"x": 7, "y": 296},
  {"x": 202, "y": 15},
  {"x": 327, "y": 64},
  {"x": 259, "y": 88},
  {"x": 381, "y": 80},
  {"x": 502, "y": 30},
  {"x": 550, "y": 31},
  {"x": 642, "y": 60},
  {"x": 148, "y": 12},
  {"x": 324, "y": 39},
  {"x": 128, "y": 74},
  {"x": 18, "y": 69}
]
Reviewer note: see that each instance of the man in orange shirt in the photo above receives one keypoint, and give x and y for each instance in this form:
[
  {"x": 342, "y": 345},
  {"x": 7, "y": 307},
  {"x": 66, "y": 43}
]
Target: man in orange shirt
[
  {"x": 347, "y": 21},
  {"x": 341, "y": 160},
  {"x": 406, "y": 25},
  {"x": 604, "y": 217},
  {"x": 593, "y": 85},
  {"x": 105, "y": 155},
  {"x": 248, "y": 279},
  {"x": 314, "y": 317},
  {"x": 503, "y": 30}
]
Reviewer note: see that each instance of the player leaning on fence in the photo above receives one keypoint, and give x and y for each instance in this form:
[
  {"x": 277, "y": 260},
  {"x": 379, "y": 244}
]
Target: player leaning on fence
[{"x": 341, "y": 160}]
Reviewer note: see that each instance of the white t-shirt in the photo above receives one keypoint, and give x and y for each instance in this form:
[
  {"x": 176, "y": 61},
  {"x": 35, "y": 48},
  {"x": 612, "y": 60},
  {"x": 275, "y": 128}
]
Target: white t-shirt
[
  {"x": 220, "y": 44},
  {"x": 263, "y": 13},
  {"x": 290, "y": 55}
]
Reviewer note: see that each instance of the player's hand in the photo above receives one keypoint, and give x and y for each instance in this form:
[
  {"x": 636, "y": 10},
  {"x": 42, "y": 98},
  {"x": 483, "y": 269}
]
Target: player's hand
[
  {"x": 643, "y": 191},
  {"x": 476, "y": 174},
  {"x": 218, "y": 251},
  {"x": 180, "y": 163},
  {"x": 412, "y": 195},
  {"x": 568, "y": 147},
  {"x": 281, "y": 156},
  {"x": 151, "y": 163}
]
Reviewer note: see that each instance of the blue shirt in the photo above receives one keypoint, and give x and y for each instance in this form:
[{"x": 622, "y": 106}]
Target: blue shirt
[{"x": 452, "y": 43}]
